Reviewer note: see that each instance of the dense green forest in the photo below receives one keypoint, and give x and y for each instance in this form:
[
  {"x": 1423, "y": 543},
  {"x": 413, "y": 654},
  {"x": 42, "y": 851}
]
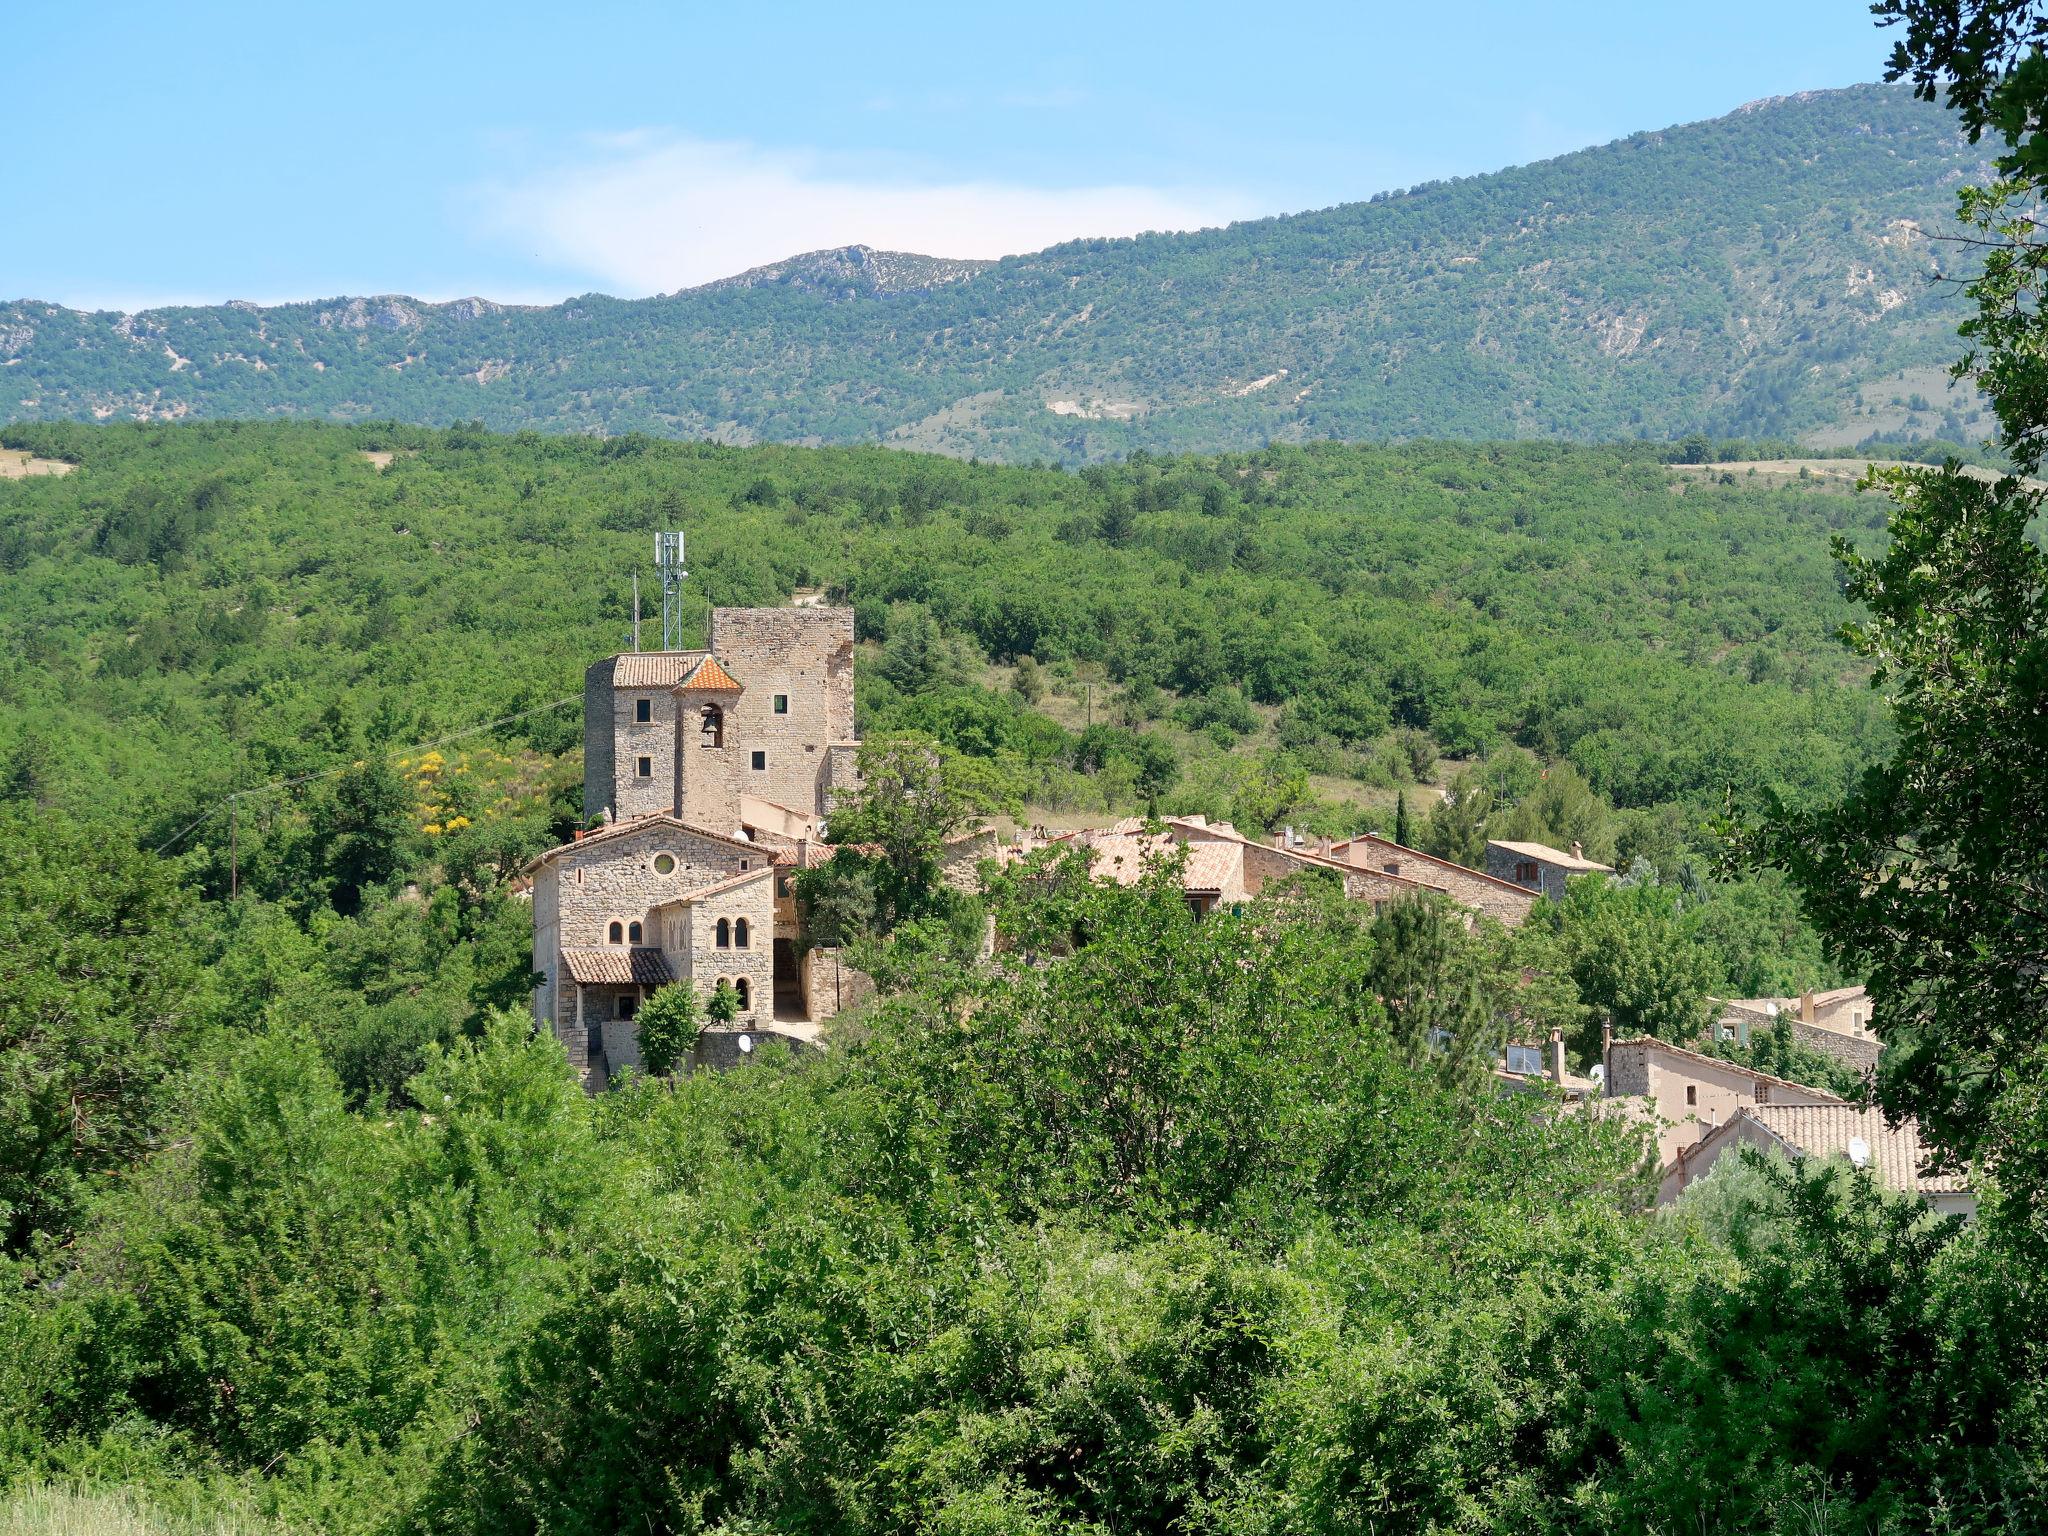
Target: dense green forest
[
  {"x": 204, "y": 609},
  {"x": 1177, "y": 1225},
  {"x": 1765, "y": 273}
]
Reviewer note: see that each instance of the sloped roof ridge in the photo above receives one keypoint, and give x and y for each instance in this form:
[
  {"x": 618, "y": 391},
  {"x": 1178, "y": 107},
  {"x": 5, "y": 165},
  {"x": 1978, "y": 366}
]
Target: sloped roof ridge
[
  {"x": 709, "y": 676},
  {"x": 1549, "y": 854},
  {"x": 1732, "y": 1066},
  {"x": 719, "y": 887},
  {"x": 641, "y": 824},
  {"x": 1474, "y": 874}
]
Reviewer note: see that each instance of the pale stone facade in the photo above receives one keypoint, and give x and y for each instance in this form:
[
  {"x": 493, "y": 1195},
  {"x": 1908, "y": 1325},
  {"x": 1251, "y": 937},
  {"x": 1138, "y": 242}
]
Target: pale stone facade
[
  {"x": 606, "y": 929},
  {"x": 706, "y": 774},
  {"x": 1502, "y": 900},
  {"x": 1540, "y": 868},
  {"x": 797, "y": 666},
  {"x": 1688, "y": 1094}
]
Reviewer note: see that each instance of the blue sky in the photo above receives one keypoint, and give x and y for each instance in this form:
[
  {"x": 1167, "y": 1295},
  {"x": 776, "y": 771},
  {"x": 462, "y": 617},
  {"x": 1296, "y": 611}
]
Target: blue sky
[{"x": 204, "y": 151}]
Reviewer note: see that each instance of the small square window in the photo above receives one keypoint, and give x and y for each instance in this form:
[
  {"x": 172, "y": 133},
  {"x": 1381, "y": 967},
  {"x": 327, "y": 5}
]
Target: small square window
[
  {"x": 644, "y": 766},
  {"x": 1763, "y": 1093},
  {"x": 1692, "y": 1094},
  {"x": 760, "y": 760},
  {"x": 643, "y": 710},
  {"x": 782, "y": 703}
]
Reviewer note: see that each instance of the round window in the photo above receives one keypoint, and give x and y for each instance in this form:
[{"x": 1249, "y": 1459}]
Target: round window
[{"x": 664, "y": 863}]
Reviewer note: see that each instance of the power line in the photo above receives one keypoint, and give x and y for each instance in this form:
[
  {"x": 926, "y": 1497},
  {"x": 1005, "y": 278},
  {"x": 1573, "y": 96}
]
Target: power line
[{"x": 328, "y": 773}]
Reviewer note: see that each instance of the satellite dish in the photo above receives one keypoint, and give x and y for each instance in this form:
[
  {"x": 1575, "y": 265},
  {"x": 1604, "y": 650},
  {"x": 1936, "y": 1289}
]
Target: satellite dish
[
  {"x": 1598, "y": 1075},
  {"x": 746, "y": 1044},
  {"x": 1859, "y": 1151},
  {"x": 1771, "y": 1010}
]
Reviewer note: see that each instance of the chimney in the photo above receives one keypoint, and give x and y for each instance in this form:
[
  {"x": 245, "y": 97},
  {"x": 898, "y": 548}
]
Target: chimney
[
  {"x": 1557, "y": 1057},
  {"x": 1607, "y": 1056},
  {"x": 1806, "y": 1006},
  {"x": 1578, "y": 850},
  {"x": 1323, "y": 846}
]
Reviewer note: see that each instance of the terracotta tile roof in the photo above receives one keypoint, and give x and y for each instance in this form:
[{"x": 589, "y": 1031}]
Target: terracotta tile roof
[
  {"x": 1222, "y": 834},
  {"x": 1893, "y": 1153},
  {"x": 654, "y": 669},
  {"x": 1121, "y": 857},
  {"x": 709, "y": 677},
  {"x": 637, "y": 967},
  {"x": 1549, "y": 855}
]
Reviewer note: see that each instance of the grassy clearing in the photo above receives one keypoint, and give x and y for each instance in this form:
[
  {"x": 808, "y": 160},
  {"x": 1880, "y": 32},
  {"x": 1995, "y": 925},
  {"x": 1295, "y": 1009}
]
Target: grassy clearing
[{"x": 48, "y": 1509}]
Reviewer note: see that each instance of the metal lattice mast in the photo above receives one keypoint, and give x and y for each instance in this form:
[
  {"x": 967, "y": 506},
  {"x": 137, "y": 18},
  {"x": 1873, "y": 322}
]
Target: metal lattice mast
[{"x": 668, "y": 559}]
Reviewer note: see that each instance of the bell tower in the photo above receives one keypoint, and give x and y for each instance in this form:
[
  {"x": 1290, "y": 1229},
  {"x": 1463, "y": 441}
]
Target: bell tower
[{"x": 708, "y": 752}]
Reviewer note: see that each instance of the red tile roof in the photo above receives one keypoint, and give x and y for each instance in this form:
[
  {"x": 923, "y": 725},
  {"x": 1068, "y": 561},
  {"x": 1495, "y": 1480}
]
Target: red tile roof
[
  {"x": 1893, "y": 1153},
  {"x": 709, "y": 677},
  {"x": 654, "y": 669},
  {"x": 635, "y": 967}
]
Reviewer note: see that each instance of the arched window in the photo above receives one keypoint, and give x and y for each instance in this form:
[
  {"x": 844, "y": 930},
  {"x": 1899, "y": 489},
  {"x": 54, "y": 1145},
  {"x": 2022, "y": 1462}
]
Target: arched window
[
  {"x": 740, "y": 986},
  {"x": 739, "y": 934},
  {"x": 711, "y": 727},
  {"x": 724, "y": 934},
  {"x": 616, "y": 934},
  {"x": 632, "y": 933}
]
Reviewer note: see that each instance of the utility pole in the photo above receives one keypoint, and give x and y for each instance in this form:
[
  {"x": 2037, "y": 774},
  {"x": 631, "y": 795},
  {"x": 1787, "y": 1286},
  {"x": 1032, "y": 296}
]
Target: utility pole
[{"x": 636, "y": 610}]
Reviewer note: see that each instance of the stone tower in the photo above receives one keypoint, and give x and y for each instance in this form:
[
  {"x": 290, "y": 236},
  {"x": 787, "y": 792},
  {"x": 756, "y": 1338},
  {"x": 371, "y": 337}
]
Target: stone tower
[
  {"x": 797, "y": 664},
  {"x": 710, "y": 749}
]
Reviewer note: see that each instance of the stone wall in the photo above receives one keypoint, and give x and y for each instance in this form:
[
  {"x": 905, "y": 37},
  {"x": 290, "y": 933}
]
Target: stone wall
[
  {"x": 707, "y": 777},
  {"x": 707, "y": 963},
  {"x": 1499, "y": 899},
  {"x": 1858, "y": 1051},
  {"x": 718, "y": 1050},
  {"x": 960, "y": 860},
  {"x": 803, "y": 658},
  {"x": 599, "y": 764},
  {"x": 1377, "y": 887},
  {"x": 842, "y": 774},
  {"x": 831, "y": 986},
  {"x": 613, "y": 875}
]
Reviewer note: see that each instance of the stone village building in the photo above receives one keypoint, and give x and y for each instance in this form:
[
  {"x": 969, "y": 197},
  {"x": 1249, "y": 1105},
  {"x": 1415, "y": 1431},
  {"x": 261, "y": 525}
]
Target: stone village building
[{"x": 711, "y": 772}]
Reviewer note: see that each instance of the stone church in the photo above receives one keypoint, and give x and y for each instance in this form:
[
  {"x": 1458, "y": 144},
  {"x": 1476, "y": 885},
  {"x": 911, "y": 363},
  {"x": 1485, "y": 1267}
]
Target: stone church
[{"x": 707, "y": 776}]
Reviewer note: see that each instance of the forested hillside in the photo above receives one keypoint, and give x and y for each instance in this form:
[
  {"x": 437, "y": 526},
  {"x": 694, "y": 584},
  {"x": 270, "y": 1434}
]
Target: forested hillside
[
  {"x": 198, "y": 609},
  {"x": 1765, "y": 272},
  {"x": 1152, "y": 1224}
]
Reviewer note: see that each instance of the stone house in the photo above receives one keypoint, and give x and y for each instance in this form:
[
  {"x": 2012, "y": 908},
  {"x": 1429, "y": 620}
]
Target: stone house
[
  {"x": 1836, "y": 1022},
  {"x": 1223, "y": 868},
  {"x": 1893, "y": 1153},
  {"x": 1502, "y": 900},
  {"x": 710, "y": 773},
  {"x": 1538, "y": 867},
  {"x": 1686, "y": 1095}
]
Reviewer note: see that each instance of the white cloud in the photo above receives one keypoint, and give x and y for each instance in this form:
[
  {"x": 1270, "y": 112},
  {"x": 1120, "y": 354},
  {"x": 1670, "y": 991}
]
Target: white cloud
[{"x": 647, "y": 213}]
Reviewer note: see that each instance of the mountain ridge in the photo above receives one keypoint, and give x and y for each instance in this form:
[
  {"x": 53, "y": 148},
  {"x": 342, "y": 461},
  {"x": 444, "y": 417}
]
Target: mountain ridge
[{"x": 1770, "y": 265}]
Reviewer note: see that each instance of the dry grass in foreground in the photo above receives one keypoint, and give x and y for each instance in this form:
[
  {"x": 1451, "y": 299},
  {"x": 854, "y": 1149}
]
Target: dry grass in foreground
[{"x": 45, "y": 1509}]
